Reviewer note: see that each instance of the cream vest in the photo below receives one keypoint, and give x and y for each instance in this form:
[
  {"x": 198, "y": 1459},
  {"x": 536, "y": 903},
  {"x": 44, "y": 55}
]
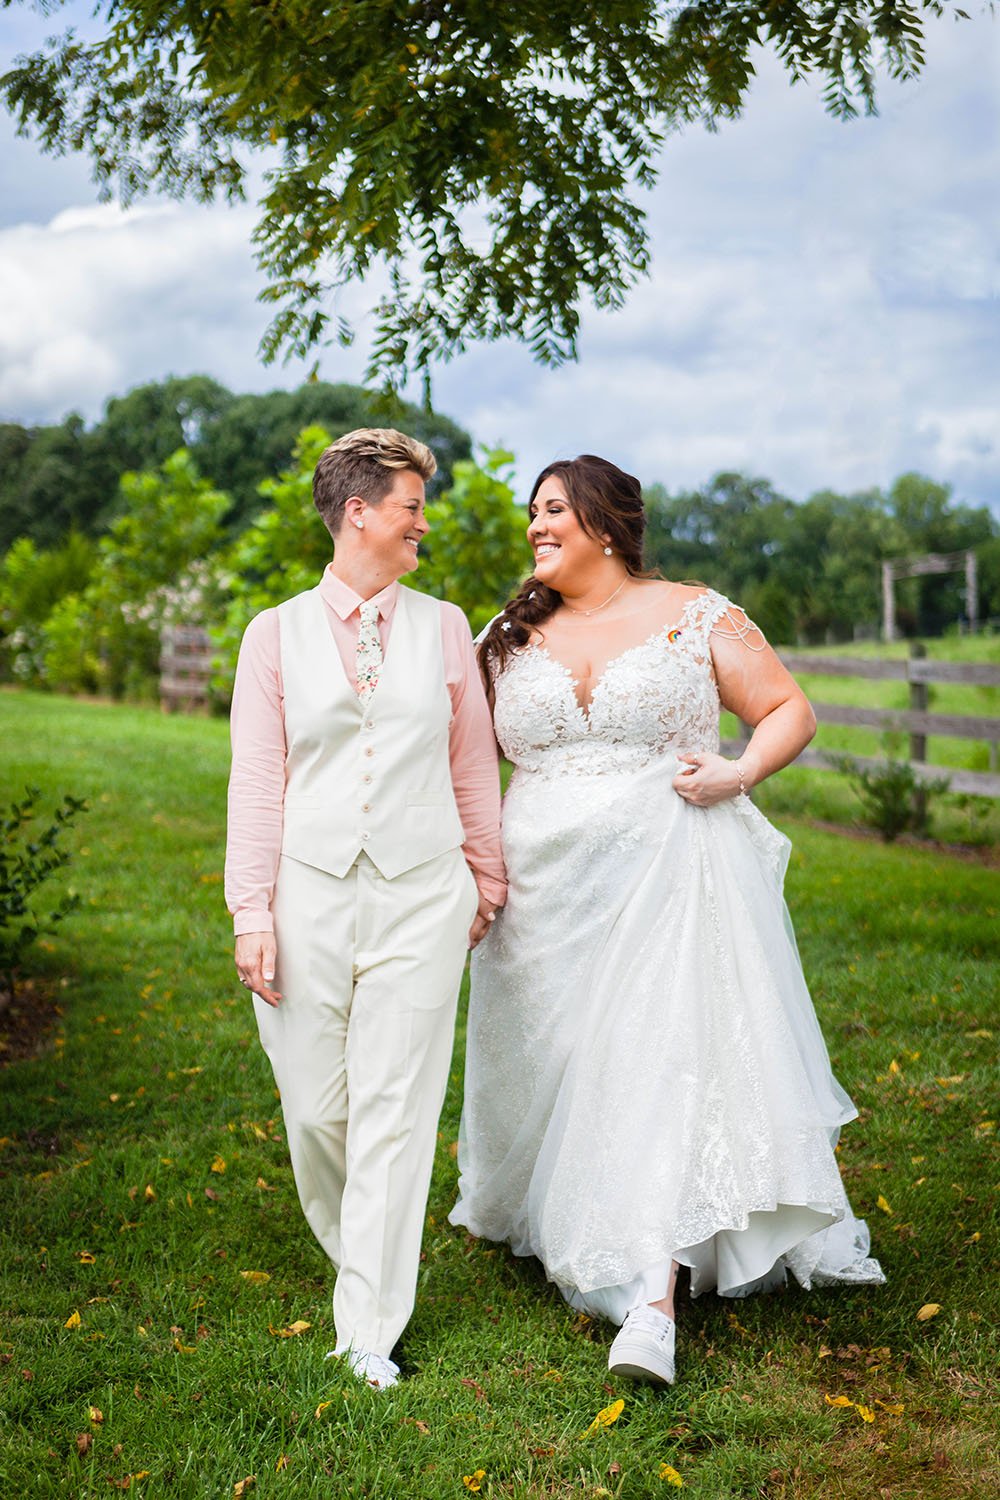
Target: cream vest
[{"x": 375, "y": 776}]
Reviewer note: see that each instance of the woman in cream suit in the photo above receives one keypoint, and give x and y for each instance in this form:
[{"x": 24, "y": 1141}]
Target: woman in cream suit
[{"x": 363, "y": 859}]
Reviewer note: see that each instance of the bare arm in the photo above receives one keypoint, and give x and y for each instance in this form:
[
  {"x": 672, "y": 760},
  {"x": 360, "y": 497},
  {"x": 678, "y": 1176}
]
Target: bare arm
[{"x": 754, "y": 685}]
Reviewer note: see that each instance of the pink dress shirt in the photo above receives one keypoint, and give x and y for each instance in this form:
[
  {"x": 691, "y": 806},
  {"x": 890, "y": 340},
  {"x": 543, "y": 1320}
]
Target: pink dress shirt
[{"x": 257, "y": 726}]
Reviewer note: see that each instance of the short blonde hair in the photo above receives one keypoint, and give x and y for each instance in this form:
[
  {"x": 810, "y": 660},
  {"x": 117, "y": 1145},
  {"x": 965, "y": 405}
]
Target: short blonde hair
[{"x": 365, "y": 463}]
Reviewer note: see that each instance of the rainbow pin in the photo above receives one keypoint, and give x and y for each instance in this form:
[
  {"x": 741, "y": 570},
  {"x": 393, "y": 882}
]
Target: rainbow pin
[{"x": 674, "y": 635}]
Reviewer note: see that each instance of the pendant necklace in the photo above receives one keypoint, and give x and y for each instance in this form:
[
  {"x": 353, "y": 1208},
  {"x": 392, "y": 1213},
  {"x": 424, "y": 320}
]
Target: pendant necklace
[{"x": 597, "y": 607}]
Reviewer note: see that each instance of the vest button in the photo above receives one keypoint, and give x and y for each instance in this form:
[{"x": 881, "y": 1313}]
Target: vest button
[
  {"x": 366, "y": 779},
  {"x": 370, "y": 750},
  {"x": 369, "y": 723},
  {"x": 363, "y": 836},
  {"x": 366, "y": 807}
]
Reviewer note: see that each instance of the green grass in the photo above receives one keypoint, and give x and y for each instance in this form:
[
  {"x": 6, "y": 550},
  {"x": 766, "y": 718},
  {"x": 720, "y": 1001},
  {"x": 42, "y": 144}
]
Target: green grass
[{"x": 151, "y": 1076}]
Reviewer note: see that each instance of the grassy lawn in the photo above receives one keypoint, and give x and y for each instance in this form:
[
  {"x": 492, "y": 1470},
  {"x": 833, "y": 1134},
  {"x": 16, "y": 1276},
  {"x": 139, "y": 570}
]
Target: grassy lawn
[{"x": 154, "y": 1259}]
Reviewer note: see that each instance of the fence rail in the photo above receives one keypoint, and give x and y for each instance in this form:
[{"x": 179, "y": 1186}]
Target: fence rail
[
  {"x": 917, "y": 721},
  {"x": 186, "y": 669}
]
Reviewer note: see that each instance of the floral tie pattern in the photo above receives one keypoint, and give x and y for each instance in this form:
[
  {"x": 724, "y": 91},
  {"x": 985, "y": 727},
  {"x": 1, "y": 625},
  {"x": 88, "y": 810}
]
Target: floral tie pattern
[{"x": 368, "y": 661}]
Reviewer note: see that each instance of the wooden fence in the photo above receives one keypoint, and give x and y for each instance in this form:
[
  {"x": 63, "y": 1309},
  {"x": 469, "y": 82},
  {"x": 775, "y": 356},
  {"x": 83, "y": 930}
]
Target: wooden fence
[
  {"x": 916, "y": 721},
  {"x": 185, "y": 667}
]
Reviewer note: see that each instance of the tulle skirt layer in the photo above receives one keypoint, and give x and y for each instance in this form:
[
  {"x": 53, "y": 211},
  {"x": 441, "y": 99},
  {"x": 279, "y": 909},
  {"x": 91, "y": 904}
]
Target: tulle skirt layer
[{"x": 646, "y": 1079}]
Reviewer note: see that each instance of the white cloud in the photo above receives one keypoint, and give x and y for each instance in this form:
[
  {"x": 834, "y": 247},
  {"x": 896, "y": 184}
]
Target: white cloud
[{"x": 100, "y": 299}]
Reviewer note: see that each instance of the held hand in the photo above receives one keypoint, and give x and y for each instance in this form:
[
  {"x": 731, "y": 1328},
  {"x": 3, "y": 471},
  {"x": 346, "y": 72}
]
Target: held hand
[
  {"x": 707, "y": 779},
  {"x": 485, "y": 917},
  {"x": 256, "y": 953}
]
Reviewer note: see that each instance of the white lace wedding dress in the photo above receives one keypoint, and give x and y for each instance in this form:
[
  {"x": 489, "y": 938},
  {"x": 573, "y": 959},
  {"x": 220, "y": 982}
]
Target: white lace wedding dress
[{"x": 646, "y": 1079}]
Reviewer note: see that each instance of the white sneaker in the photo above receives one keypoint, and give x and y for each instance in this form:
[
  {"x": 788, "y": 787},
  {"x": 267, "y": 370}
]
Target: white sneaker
[
  {"x": 374, "y": 1369},
  {"x": 644, "y": 1347}
]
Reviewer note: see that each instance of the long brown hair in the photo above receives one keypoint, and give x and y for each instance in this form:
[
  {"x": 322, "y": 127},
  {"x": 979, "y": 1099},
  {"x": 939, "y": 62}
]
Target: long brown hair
[{"x": 607, "y": 502}]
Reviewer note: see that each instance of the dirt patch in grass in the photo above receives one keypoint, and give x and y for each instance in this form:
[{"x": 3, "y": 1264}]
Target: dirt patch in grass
[{"x": 27, "y": 1019}]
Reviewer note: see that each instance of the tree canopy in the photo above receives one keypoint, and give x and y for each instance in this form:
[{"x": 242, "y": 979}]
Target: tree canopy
[
  {"x": 485, "y": 156},
  {"x": 54, "y": 479}
]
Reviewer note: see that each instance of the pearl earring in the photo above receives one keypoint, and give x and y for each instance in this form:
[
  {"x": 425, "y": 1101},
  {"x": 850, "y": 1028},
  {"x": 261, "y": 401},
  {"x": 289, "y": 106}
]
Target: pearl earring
[
  {"x": 607, "y": 552},
  {"x": 360, "y": 525}
]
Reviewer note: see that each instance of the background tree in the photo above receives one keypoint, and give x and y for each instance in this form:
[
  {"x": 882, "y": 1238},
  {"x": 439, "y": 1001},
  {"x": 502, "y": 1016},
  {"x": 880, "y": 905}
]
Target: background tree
[
  {"x": 810, "y": 572},
  {"x": 107, "y": 636},
  {"x": 485, "y": 153},
  {"x": 63, "y": 476},
  {"x": 476, "y": 553}
]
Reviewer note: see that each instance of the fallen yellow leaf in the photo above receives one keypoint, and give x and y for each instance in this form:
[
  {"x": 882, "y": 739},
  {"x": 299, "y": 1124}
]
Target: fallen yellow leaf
[
  {"x": 73, "y": 1321},
  {"x": 605, "y": 1417},
  {"x": 290, "y": 1331},
  {"x": 929, "y": 1310},
  {"x": 281, "y": 1464},
  {"x": 142, "y": 1332},
  {"x": 838, "y": 1401},
  {"x": 185, "y": 1348},
  {"x": 883, "y": 1204},
  {"x": 894, "y": 1408},
  {"x": 85, "y": 1258},
  {"x": 474, "y": 1482},
  {"x": 671, "y": 1475},
  {"x": 242, "y": 1485},
  {"x": 322, "y": 1407},
  {"x": 865, "y": 1413},
  {"x": 256, "y": 1276},
  {"x": 95, "y": 1414},
  {"x": 218, "y": 1165},
  {"x": 149, "y": 1193}
]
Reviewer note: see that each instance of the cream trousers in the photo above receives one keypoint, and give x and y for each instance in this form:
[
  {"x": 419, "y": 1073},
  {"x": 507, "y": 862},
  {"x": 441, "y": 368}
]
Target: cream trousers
[{"x": 369, "y": 970}]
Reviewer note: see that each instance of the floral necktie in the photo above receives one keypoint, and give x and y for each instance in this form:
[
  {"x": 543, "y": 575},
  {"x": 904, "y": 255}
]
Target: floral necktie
[{"x": 368, "y": 661}]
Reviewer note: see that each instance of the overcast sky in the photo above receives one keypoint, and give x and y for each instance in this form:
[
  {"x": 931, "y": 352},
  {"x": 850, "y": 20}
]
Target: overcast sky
[{"x": 824, "y": 308}]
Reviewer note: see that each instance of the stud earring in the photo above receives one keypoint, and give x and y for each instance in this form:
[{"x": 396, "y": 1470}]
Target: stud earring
[
  {"x": 607, "y": 552},
  {"x": 360, "y": 525}
]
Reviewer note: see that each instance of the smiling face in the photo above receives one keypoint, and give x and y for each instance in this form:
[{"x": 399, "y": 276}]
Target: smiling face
[
  {"x": 395, "y": 525},
  {"x": 563, "y": 550}
]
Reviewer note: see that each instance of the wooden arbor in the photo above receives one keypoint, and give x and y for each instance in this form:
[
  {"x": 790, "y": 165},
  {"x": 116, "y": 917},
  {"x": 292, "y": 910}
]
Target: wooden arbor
[{"x": 932, "y": 562}]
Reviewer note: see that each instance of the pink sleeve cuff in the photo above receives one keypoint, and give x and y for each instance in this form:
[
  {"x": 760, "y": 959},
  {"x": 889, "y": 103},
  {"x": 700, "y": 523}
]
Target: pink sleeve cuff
[
  {"x": 252, "y": 921},
  {"x": 492, "y": 890}
]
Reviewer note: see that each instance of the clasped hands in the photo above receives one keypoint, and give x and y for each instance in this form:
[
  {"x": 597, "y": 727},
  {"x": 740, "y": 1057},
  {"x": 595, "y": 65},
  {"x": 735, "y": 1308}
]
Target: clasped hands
[{"x": 707, "y": 779}]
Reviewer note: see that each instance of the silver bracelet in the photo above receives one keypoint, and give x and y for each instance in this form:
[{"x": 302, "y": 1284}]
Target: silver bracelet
[{"x": 739, "y": 771}]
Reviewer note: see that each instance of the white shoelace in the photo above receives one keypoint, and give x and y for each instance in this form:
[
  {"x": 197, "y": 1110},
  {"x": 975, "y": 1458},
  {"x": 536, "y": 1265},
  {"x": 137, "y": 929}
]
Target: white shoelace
[{"x": 650, "y": 1320}]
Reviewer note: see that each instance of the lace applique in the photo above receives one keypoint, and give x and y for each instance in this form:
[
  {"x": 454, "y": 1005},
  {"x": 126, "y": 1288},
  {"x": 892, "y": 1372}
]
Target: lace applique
[{"x": 655, "y": 698}]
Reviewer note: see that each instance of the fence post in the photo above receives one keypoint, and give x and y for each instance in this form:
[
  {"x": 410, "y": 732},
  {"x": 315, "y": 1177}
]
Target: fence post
[
  {"x": 918, "y": 742},
  {"x": 918, "y": 701}
]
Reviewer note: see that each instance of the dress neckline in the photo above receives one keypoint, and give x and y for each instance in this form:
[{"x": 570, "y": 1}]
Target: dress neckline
[{"x": 612, "y": 661}]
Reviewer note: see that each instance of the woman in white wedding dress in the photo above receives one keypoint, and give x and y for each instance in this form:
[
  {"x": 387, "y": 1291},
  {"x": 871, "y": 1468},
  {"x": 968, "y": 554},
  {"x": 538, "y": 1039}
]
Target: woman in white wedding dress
[{"x": 646, "y": 1082}]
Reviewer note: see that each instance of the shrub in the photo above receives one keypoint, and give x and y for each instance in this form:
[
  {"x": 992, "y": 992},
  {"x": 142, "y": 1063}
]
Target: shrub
[
  {"x": 894, "y": 798},
  {"x": 25, "y": 863},
  {"x": 32, "y": 584}
]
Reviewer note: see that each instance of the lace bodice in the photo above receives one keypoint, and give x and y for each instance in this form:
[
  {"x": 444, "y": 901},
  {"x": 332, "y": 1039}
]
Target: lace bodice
[{"x": 655, "y": 698}]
